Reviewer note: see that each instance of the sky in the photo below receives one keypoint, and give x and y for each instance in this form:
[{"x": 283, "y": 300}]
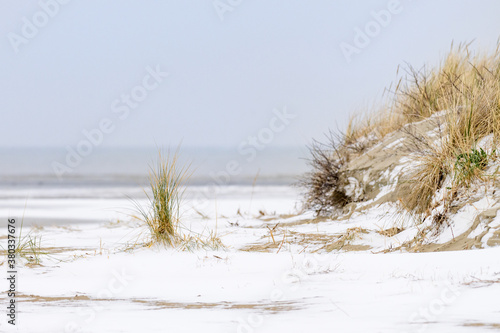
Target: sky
[{"x": 213, "y": 73}]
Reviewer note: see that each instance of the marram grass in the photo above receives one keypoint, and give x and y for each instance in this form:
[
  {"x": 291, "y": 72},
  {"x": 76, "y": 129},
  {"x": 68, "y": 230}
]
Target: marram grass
[
  {"x": 466, "y": 86},
  {"x": 167, "y": 184},
  {"x": 162, "y": 214}
]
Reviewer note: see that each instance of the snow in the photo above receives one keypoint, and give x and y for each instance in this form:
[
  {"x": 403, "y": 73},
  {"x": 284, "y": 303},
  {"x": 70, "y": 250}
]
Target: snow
[{"x": 97, "y": 283}]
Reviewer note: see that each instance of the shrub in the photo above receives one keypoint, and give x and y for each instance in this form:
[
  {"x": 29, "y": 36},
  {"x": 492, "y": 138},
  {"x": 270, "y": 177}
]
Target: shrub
[
  {"x": 470, "y": 164},
  {"x": 324, "y": 184}
]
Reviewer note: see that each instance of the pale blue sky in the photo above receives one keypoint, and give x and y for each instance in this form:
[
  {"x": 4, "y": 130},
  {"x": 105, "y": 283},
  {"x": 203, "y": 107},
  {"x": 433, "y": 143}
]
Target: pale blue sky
[{"x": 225, "y": 76}]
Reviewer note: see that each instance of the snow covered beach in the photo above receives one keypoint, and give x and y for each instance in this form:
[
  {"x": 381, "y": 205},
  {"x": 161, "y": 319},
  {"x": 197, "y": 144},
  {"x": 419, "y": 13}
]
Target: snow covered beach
[
  {"x": 275, "y": 274},
  {"x": 250, "y": 166}
]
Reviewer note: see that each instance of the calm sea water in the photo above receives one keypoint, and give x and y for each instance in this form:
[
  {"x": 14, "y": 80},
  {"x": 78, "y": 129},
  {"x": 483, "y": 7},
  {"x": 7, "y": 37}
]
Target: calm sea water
[{"x": 34, "y": 167}]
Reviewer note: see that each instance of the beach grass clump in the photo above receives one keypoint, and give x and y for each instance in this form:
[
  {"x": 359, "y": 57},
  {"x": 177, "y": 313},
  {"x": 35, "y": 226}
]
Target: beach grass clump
[
  {"x": 417, "y": 191},
  {"x": 162, "y": 215},
  {"x": 467, "y": 88},
  {"x": 167, "y": 185},
  {"x": 28, "y": 247},
  {"x": 461, "y": 96}
]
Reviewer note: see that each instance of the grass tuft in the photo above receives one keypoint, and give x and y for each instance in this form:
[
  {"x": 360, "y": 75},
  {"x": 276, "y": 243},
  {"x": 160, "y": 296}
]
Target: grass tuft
[
  {"x": 28, "y": 247},
  {"x": 167, "y": 184}
]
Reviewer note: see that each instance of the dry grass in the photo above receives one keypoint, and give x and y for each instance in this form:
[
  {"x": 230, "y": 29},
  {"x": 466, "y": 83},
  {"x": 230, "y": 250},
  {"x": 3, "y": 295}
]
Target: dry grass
[
  {"x": 464, "y": 83},
  {"x": 344, "y": 241},
  {"x": 417, "y": 190},
  {"x": 391, "y": 232},
  {"x": 467, "y": 86},
  {"x": 364, "y": 131}
]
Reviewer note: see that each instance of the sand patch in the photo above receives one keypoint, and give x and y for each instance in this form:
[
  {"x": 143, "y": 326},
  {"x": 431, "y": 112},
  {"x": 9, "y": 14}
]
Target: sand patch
[{"x": 268, "y": 307}]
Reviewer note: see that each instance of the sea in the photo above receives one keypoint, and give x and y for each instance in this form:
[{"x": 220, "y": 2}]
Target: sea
[{"x": 108, "y": 172}]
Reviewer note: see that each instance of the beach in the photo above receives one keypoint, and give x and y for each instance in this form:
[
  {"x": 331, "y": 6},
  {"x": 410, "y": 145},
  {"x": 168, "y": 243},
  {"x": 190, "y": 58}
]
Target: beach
[
  {"x": 271, "y": 275},
  {"x": 250, "y": 166}
]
